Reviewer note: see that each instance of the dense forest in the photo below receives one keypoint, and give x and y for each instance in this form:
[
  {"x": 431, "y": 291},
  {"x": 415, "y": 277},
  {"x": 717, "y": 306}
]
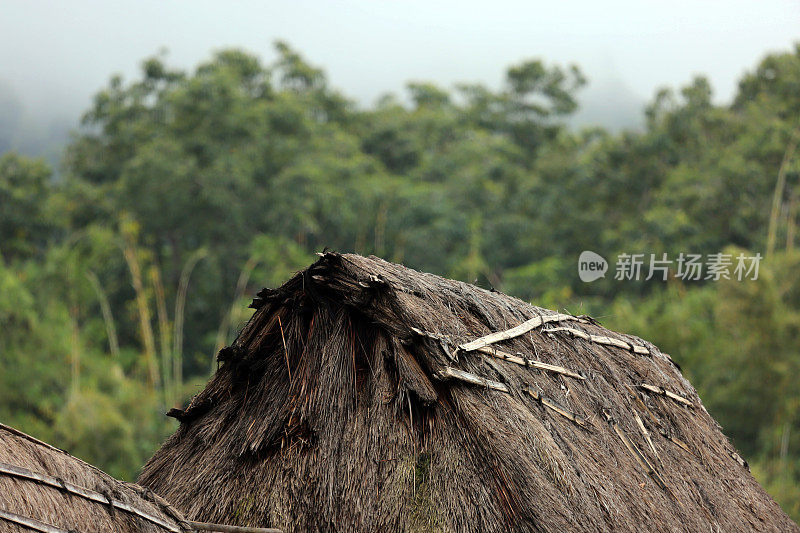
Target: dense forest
[{"x": 125, "y": 270}]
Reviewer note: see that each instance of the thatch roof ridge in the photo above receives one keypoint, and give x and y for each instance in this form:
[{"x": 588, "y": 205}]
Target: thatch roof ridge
[
  {"x": 45, "y": 488},
  {"x": 373, "y": 272},
  {"x": 365, "y": 395},
  {"x": 47, "y": 445}
]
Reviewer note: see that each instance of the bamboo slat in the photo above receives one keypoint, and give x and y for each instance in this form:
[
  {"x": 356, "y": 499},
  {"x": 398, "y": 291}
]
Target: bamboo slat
[
  {"x": 516, "y": 331},
  {"x": 636, "y": 453},
  {"x": 30, "y": 523},
  {"x": 550, "y": 404},
  {"x": 206, "y": 526},
  {"x": 664, "y": 392},
  {"x": 518, "y": 359},
  {"x": 44, "y": 479},
  {"x": 601, "y": 339},
  {"x": 449, "y": 372}
]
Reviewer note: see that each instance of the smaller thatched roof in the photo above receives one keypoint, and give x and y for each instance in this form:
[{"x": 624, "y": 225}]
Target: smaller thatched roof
[
  {"x": 43, "y": 488},
  {"x": 46, "y": 489}
]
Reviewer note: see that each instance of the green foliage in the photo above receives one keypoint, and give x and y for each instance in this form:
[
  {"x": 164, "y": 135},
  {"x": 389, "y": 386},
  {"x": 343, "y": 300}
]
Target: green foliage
[
  {"x": 26, "y": 218},
  {"x": 185, "y": 192}
]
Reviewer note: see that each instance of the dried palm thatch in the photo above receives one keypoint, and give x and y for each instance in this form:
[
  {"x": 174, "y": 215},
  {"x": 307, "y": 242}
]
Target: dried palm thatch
[
  {"x": 45, "y": 489},
  {"x": 365, "y": 396}
]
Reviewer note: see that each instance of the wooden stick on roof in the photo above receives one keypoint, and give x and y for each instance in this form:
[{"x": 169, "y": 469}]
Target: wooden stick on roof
[
  {"x": 550, "y": 404},
  {"x": 449, "y": 372},
  {"x": 30, "y": 523},
  {"x": 664, "y": 392},
  {"x": 516, "y": 331},
  {"x": 520, "y": 360},
  {"x": 220, "y": 528}
]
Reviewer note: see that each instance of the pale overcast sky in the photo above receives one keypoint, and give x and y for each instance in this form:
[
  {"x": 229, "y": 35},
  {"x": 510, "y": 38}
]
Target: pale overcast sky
[{"x": 56, "y": 54}]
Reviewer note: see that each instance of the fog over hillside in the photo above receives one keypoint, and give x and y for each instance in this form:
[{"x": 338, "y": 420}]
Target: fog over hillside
[
  {"x": 55, "y": 56},
  {"x": 44, "y": 133}
]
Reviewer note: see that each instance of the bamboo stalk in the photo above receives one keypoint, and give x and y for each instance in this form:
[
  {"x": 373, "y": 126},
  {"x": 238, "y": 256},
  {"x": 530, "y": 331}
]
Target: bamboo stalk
[
  {"x": 180, "y": 307},
  {"x": 516, "y": 331},
  {"x": 792, "y": 224},
  {"x": 443, "y": 340},
  {"x": 145, "y": 326},
  {"x": 108, "y": 317},
  {"x": 651, "y": 418},
  {"x": 777, "y": 195},
  {"x": 167, "y": 375},
  {"x": 74, "y": 351},
  {"x": 449, "y": 372}
]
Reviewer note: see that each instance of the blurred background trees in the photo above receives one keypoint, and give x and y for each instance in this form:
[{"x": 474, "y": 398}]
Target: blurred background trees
[{"x": 182, "y": 193}]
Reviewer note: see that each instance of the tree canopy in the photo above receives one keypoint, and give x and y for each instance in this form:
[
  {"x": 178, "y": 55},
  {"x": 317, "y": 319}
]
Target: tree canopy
[{"x": 183, "y": 192}]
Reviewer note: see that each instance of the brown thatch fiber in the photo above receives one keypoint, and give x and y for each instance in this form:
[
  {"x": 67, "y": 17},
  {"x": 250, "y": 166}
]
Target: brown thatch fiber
[
  {"x": 45, "y": 489},
  {"x": 365, "y": 396}
]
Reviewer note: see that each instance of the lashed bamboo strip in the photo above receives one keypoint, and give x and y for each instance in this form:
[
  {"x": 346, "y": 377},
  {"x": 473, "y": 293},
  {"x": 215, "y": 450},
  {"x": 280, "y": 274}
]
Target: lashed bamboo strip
[
  {"x": 637, "y": 454},
  {"x": 516, "y": 331},
  {"x": 652, "y": 419},
  {"x": 88, "y": 494},
  {"x": 645, "y": 433},
  {"x": 30, "y": 523},
  {"x": 664, "y": 392},
  {"x": 443, "y": 340},
  {"x": 518, "y": 359},
  {"x": 642, "y": 406},
  {"x": 550, "y": 404},
  {"x": 220, "y": 528},
  {"x": 453, "y": 373},
  {"x": 678, "y": 442},
  {"x": 500, "y": 354},
  {"x": 601, "y": 339},
  {"x": 91, "y": 495},
  {"x": 449, "y": 372},
  {"x": 430, "y": 335}
]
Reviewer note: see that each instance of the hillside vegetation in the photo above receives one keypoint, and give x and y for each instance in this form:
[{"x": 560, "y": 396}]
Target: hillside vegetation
[{"x": 181, "y": 193}]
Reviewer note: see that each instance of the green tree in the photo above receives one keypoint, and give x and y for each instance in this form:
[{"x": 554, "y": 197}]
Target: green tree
[{"x": 27, "y": 220}]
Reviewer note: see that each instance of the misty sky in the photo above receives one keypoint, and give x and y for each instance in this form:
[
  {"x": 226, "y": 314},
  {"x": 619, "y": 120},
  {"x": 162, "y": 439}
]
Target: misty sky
[{"x": 56, "y": 54}]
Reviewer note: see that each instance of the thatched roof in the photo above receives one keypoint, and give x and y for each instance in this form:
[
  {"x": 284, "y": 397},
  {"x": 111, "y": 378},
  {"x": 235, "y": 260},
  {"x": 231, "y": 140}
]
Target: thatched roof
[
  {"x": 46, "y": 489},
  {"x": 364, "y": 396}
]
